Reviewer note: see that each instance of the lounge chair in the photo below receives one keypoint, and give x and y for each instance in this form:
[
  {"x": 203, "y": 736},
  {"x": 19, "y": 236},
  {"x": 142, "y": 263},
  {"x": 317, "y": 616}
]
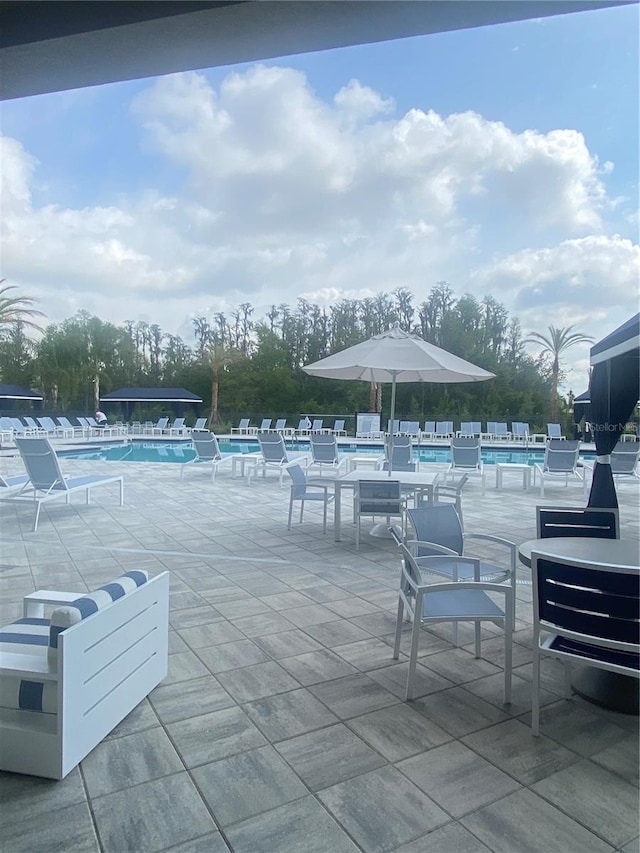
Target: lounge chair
[
  {"x": 207, "y": 451},
  {"x": 410, "y": 428},
  {"x": 20, "y": 429},
  {"x": 466, "y": 458},
  {"x": 265, "y": 426},
  {"x": 47, "y": 482},
  {"x": 318, "y": 427},
  {"x": 429, "y": 430},
  {"x": 282, "y": 428},
  {"x": 338, "y": 428},
  {"x": 324, "y": 454},
  {"x": 274, "y": 455},
  {"x": 304, "y": 490},
  {"x": 37, "y": 429},
  {"x": 176, "y": 428},
  {"x": 560, "y": 460},
  {"x": 368, "y": 426},
  {"x": 160, "y": 427},
  {"x": 520, "y": 431},
  {"x": 444, "y": 429},
  {"x": 624, "y": 460},
  {"x": 243, "y": 427},
  {"x": 501, "y": 432},
  {"x": 554, "y": 431},
  {"x": 201, "y": 423},
  {"x": 400, "y": 450},
  {"x": 69, "y": 428},
  {"x": 303, "y": 427},
  {"x": 393, "y": 427},
  {"x": 13, "y": 481}
]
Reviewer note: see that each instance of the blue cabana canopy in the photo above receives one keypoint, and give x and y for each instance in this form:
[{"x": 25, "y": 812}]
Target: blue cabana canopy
[
  {"x": 614, "y": 391},
  {"x": 16, "y": 392}
]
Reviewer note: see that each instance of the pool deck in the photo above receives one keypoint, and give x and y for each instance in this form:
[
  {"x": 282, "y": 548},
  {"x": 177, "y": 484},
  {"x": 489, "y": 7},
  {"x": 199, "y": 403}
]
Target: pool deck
[{"x": 281, "y": 726}]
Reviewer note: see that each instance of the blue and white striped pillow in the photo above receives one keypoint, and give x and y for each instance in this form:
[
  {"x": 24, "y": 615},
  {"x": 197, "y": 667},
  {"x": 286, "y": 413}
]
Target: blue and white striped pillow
[
  {"x": 87, "y": 605},
  {"x": 28, "y": 636}
]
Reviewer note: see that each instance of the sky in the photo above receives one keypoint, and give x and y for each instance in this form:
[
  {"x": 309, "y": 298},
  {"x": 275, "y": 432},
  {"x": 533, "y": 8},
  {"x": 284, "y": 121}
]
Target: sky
[{"x": 502, "y": 160}]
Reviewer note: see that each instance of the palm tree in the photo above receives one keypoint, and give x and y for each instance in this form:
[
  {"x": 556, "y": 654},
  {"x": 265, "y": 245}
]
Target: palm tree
[
  {"x": 555, "y": 344},
  {"x": 16, "y": 309}
]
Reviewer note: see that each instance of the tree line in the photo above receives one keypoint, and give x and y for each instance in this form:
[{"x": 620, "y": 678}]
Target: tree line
[{"x": 242, "y": 365}]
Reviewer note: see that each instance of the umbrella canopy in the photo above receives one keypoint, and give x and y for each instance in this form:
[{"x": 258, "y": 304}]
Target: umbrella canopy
[{"x": 397, "y": 356}]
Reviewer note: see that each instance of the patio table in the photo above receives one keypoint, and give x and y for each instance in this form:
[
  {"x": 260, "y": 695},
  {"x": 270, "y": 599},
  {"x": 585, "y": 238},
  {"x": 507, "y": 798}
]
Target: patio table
[
  {"x": 423, "y": 481},
  {"x": 607, "y": 689}
]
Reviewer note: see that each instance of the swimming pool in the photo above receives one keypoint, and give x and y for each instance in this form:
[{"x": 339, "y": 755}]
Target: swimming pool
[{"x": 181, "y": 452}]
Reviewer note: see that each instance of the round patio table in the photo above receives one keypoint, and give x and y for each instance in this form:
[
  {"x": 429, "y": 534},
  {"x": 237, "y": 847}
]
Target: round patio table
[{"x": 607, "y": 689}]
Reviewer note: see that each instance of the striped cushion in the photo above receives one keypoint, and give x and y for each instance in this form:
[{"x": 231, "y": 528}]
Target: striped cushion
[
  {"x": 28, "y": 637},
  {"x": 81, "y": 608}
]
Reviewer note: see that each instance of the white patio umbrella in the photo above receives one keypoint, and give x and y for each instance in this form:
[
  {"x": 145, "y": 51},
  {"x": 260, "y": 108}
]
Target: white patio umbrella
[{"x": 397, "y": 356}]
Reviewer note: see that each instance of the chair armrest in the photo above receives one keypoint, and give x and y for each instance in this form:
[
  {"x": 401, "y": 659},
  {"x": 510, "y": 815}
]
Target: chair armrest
[
  {"x": 498, "y": 540},
  {"x": 26, "y": 666},
  {"x": 415, "y": 544},
  {"x": 33, "y": 604}
]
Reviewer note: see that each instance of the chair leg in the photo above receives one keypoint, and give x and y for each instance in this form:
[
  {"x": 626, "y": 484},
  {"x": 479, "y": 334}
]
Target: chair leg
[
  {"x": 324, "y": 517},
  {"x": 535, "y": 691},
  {"x": 413, "y": 657},
  {"x": 301, "y": 510},
  {"x": 478, "y": 639},
  {"x": 508, "y": 647},
  {"x": 399, "y": 617},
  {"x": 290, "y": 512}
]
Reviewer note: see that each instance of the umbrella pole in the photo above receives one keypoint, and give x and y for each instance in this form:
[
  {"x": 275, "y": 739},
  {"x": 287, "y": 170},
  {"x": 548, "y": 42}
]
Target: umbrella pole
[{"x": 393, "y": 414}]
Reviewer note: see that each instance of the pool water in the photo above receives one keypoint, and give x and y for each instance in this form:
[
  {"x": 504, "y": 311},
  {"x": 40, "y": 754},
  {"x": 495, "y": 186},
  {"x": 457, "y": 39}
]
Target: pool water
[{"x": 168, "y": 452}]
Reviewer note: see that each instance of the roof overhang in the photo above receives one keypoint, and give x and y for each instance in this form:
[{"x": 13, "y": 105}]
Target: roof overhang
[{"x": 53, "y": 46}]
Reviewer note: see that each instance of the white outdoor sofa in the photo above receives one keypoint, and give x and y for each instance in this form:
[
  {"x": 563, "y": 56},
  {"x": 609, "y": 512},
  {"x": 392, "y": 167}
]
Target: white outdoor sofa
[{"x": 68, "y": 680}]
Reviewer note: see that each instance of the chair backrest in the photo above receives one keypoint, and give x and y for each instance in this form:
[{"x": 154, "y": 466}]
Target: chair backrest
[
  {"x": 577, "y": 521},
  {"x": 244, "y": 423},
  {"x": 84, "y": 423},
  {"x": 298, "y": 481},
  {"x": 601, "y": 606},
  {"x": 18, "y": 426},
  {"x": 466, "y": 453},
  {"x": 491, "y": 427},
  {"x": 399, "y": 449},
  {"x": 281, "y": 423},
  {"x": 206, "y": 445},
  {"x": 554, "y": 431},
  {"x": 178, "y": 423},
  {"x": 394, "y": 426},
  {"x": 5, "y": 424},
  {"x": 272, "y": 447},
  {"x": 501, "y": 429},
  {"x": 519, "y": 429},
  {"x": 324, "y": 448},
  {"x": 438, "y": 523},
  {"x": 30, "y": 422},
  {"x": 451, "y": 491},
  {"x": 162, "y": 423},
  {"x": 201, "y": 423},
  {"x": 379, "y": 497},
  {"x": 624, "y": 457},
  {"x": 444, "y": 428},
  {"x": 304, "y": 424},
  {"x": 42, "y": 464},
  {"x": 265, "y": 425},
  {"x": 561, "y": 457},
  {"x": 338, "y": 426},
  {"x": 465, "y": 428},
  {"x": 476, "y": 428},
  {"x": 412, "y": 428},
  {"x": 316, "y": 426},
  {"x": 64, "y": 422},
  {"x": 429, "y": 426}
]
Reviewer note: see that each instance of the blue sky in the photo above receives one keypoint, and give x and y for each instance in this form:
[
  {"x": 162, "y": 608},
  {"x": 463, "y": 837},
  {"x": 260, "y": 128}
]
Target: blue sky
[{"x": 501, "y": 159}]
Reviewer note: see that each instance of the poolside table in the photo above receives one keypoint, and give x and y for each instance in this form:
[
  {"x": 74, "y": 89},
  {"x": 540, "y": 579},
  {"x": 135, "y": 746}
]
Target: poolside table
[
  {"x": 607, "y": 689},
  {"x": 423, "y": 481},
  {"x": 520, "y": 467}
]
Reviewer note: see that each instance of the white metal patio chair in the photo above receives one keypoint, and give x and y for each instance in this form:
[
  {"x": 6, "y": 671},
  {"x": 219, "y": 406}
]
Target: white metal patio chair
[
  {"x": 438, "y": 531},
  {"x": 554, "y": 431},
  {"x": 399, "y": 450},
  {"x": 624, "y": 461},
  {"x": 444, "y": 429},
  {"x": 382, "y": 498},
  {"x": 467, "y": 598},
  {"x": 303, "y": 490},
  {"x": 338, "y": 428},
  {"x": 46, "y": 480}
]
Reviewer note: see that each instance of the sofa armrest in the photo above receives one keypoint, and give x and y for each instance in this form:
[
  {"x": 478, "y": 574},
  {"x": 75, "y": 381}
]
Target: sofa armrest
[
  {"x": 33, "y": 604},
  {"x": 26, "y": 666}
]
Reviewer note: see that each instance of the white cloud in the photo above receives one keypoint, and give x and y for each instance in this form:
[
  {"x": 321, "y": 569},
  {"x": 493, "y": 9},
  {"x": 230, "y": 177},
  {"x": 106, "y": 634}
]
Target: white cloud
[{"x": 287, "y": 194}]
